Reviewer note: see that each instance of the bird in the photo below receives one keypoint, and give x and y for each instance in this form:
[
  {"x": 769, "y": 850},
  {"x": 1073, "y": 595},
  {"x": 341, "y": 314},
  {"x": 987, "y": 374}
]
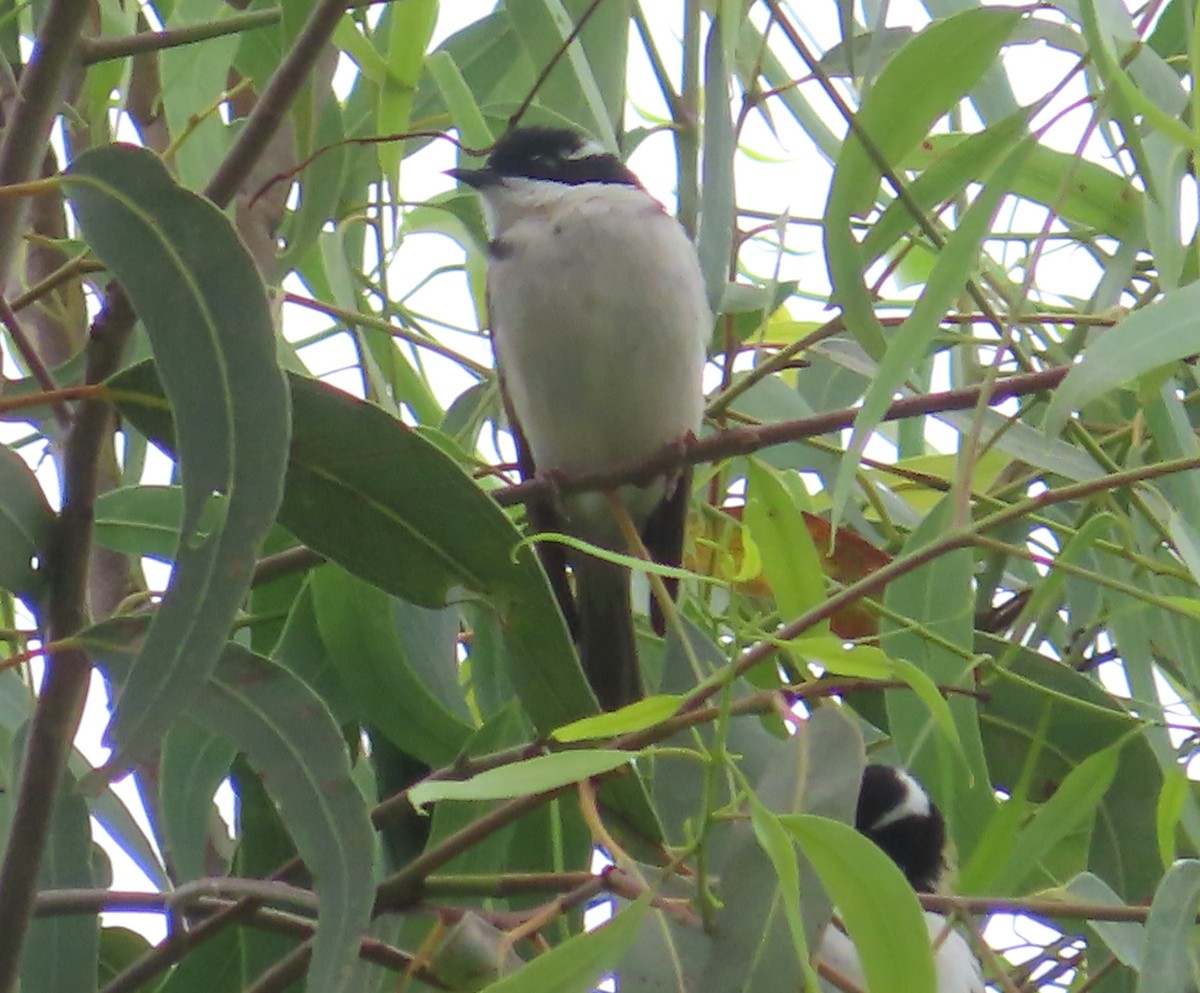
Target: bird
[
  {"x": 600, "y": 324},
  {"x": 895, "y": 811}
]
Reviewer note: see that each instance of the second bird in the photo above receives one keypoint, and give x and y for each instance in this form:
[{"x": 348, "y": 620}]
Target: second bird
[{"x": 600, "y": 323}]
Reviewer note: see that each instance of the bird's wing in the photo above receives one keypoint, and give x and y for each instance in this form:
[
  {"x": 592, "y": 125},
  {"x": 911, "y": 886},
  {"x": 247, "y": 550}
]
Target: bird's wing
[
  {"x": 663, "y": 537},
  {"x": 543, "y": 516}
]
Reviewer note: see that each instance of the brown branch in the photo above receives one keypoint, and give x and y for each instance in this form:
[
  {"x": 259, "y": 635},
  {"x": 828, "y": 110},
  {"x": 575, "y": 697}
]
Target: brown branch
[
  {"x": 93, "y": 50},
  {"x": 164, "y": 955},
  {"x": 68, "y": 669},
  {"x": 28, "y": 400},
  {"x": 67, "y": 902},
  {"x": 268, "y": 113},
  {"x": 24, "y": 143},
  {"x": 748, "y": 440},
  {"x": 301, "y": 558},
  {"x": 1034, "y": 907}
]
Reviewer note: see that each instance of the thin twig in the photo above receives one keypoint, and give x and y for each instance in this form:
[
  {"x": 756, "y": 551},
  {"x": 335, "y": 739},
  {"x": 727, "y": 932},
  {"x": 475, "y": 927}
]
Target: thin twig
[
  {"x": 549, "y": 67},
  {"x": 93, "y": 50},
  {"x": 285, "y": 971},
  {"x": 37, "y": 368}
]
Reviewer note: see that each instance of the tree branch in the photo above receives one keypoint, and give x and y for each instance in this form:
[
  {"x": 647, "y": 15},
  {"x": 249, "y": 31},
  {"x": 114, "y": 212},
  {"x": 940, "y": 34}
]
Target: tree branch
[
  {"x": 25, "y": 135},
  {"x": 68, "y": 669},
  {"x": 748, "y": 440},
  {"x": 268, "y": 113},
  {"x": 93, "y": 50}
]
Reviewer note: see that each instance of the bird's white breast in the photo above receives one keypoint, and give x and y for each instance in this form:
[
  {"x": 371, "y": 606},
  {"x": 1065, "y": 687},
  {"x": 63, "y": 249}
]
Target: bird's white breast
[{"x": 600, "y": 323}]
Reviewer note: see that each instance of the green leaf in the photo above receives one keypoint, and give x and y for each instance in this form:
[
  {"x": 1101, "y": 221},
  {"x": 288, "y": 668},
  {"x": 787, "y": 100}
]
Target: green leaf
[
  {"x": 119, "y": 949},
  {"x": 1073, "y": 805},
  {"x": 717, "y": 221},
  {"x": 923, "y": 81},
  {"x": 818, "y": 771},
  {"x": 195, "y": 760},
  {"x": 460, "y": 101},
  {"x": 289, "y": 737},
  {"x": 193, "y": 81},
  {"x": 1041, "y": 706},
  {"x": 200, "y": 298},
  {"x": 571, "y": 89},
  {"x": 60, "y": 952},
  {"x": 536, "y": 775},
  {"x": 324, "y": 179},
  {"x": 487, "y": 53},
  {"x": 774, "y": 840},
  {"x": 577, "y": 964},
  {"x": 1171, "y": 800},
  {"x": 956, "y": 263},
  {"x": 634, "y": 717},
  {"x": 1077, "y": 190},
  {"x": 214, "y": 967},
  {"x": 1158, "y": 334},
  {"x": 878, "y": 906},
  {"x": 409, "y": 27},
  {"x": 377, "y": 667},
  {"x": 25, "y": 520},
  {"x": 789, "y": 556},
  {"x": 390, "y": 507},
  {"x": 1169, "y": 929},
  {"x": 948, "y": 164},
  {"x": 938, "y": 598},
  {"x": 140, "y": 520},
  {"x": 1126, "y": 941}
]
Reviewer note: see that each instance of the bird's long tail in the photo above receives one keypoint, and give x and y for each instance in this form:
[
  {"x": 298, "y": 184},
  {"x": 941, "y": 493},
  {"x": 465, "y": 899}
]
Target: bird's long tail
[{"x": 606, "y": 643}]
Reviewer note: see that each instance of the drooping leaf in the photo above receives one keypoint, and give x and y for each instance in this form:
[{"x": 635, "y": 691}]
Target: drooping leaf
[
  {"x": 1163, "y": 332},
  {"x": 389, "y": 506},
  {"x": 291, "y": 739},
  {"x": 380, "y": 670},
  {"x": 200, "y": 298},
  {"x": 25, "y": 520},
  {"x": 875, "y": 901},
  {"x": 59, "y": 954},
  {"x": 1169, "y": 930},
  {"x": 195, "y": 760}
]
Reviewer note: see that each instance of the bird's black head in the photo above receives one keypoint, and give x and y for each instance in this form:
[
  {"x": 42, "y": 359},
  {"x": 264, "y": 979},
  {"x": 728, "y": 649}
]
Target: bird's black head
[
  {"x": 559, "y": 155},
  {"x": 895, "y": 812}
]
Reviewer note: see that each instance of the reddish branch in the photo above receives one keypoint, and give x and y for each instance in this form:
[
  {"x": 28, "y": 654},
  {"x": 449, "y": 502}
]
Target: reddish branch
[{"x": 748, "y": 440}]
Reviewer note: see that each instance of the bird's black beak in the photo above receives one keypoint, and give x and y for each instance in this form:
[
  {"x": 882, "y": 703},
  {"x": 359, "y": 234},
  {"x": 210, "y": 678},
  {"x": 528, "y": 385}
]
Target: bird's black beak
[{"x": 475, "y": 178}]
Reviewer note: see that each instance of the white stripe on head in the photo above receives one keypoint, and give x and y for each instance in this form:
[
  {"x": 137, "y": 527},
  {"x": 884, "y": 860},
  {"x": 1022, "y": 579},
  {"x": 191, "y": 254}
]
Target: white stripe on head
[
  {"x": 914, "y": 803},
  {"x": 589, "y": 147}
]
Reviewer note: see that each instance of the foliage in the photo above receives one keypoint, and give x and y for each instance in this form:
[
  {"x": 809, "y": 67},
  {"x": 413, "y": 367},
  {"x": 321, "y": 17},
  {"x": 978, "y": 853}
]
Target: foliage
[{"x": 953, "y": 522}]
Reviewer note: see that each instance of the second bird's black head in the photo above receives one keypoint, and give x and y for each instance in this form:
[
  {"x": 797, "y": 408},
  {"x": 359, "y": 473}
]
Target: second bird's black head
[
  {"x": 896, "y": 813},
  {"x": 557, "y": 155}
]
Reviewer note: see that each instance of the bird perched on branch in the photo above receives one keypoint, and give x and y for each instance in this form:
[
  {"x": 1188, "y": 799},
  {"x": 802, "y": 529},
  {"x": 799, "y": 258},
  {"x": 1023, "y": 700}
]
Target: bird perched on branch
[
  {"x": 600, "y": 323},
  {"x": 896, "y": 813}
]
